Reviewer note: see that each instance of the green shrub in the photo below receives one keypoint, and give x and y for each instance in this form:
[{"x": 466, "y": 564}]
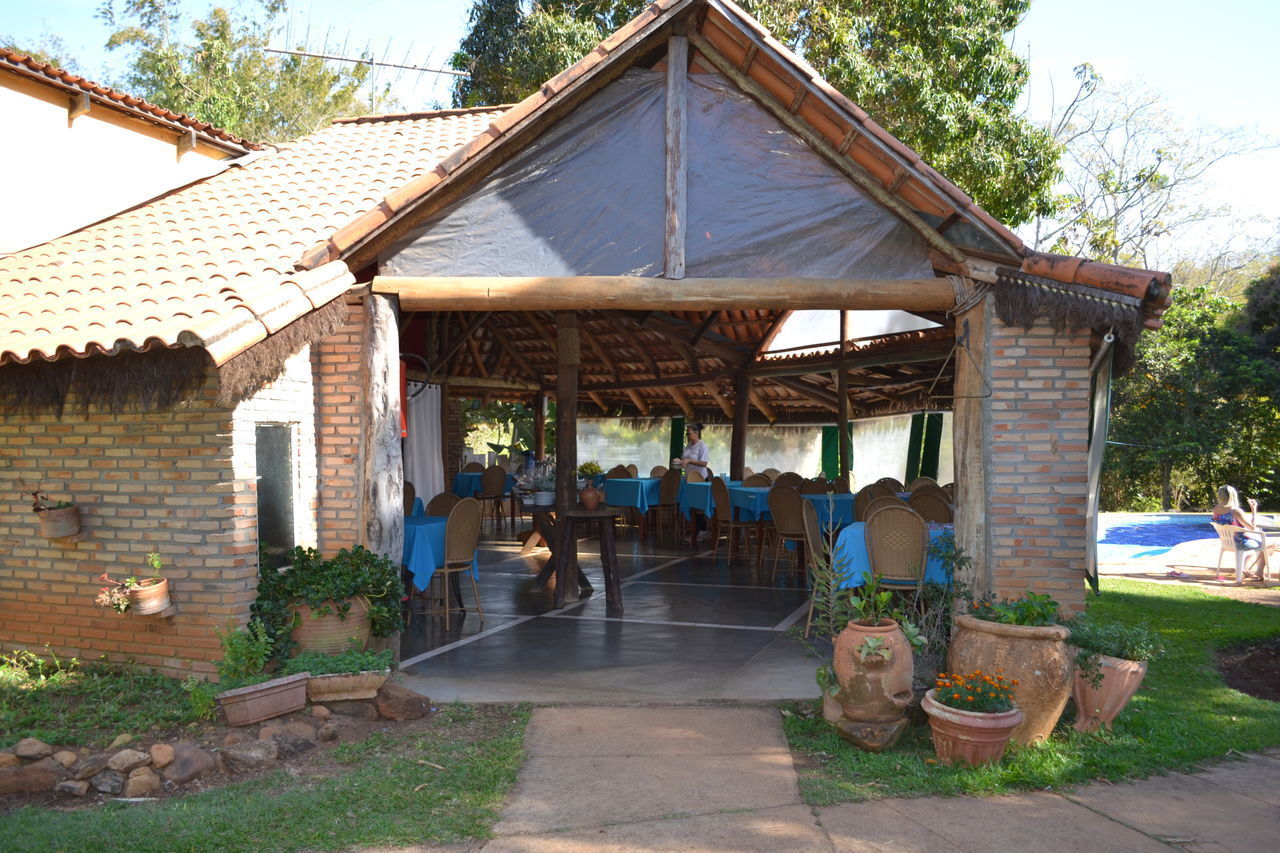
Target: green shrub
[
  {"x": 1030, "y": 609},
  {"x": 1093, "y": 637},
  {"x": 352, "y": 660}
]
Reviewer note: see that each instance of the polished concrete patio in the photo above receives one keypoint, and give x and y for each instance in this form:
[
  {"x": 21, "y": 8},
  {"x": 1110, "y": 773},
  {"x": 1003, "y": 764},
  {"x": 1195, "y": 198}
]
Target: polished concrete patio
[{"x": 694, "y": 628}]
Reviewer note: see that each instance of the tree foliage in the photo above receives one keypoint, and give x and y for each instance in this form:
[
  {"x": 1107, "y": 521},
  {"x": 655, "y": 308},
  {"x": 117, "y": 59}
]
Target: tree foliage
[
  {"x": 222, "y": 75},
  {"x": 1196, "y": 411},
  {"x": 940, "y": 77}
]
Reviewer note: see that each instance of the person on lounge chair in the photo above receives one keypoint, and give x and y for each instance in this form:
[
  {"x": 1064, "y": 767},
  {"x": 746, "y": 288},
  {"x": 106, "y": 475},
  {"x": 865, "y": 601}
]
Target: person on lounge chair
[{"x": 1249, "y": 537}]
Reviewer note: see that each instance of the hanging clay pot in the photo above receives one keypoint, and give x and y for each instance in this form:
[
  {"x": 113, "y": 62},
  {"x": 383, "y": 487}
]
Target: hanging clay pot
[
  {"x": 590, "y": 497},
  {"x": 872, "y": 666}
]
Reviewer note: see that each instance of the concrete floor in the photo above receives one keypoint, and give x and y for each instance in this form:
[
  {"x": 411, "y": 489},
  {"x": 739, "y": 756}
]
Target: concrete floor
[{"x": 693, "y": 629}]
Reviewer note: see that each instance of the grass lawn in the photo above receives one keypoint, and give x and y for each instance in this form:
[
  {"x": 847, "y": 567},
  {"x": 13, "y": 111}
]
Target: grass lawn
[{"x": 1182, "y": 715}]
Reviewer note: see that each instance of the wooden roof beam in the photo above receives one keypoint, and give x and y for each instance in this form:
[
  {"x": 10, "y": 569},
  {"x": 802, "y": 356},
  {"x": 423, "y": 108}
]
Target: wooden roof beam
[
  {"x": 714, "y": 392},
  {"x": 599, "y": 401},
  {"x": 760, "y": 403},
  {"x": 681, "y": 400},
  {"x": 675, "y": 381},
  {"x": 808, "y": 391},
  {"x": 510, "y": 350},
  {"x": 641, "y": 405}
]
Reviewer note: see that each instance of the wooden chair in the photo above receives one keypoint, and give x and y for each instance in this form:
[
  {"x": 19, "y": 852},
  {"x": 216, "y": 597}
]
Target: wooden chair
[
  {"x": 657, "y": 470},
  {"x": 787, "y": 508},
  {"x": 694, "y": 475},
  {"x": 868, "y": 494},
  {"x": 668, "y": 498},
  {"x": 461, "y": 536},
  {"x": 409, "y": 495},
  {"x": 725, "y": 524},
  {"x": 897, "y": 545},
  {"x": 816, "y": 486},
  {"x": 441, "y": 504},
  {"x": 816, "y": 549},
  {"x": 472, "y": 468},
  {"x": 1227, "y": 539},
  {"x": 633, "y": 471},
  {"x": 882, "y": 490},
  {"x": 931, "y": 507},
  {"x": 789, "y": 478},
  {"x": 493, "y": 487},
  {"x": 746, "y": 472},
  {"x": 841, "y": 487},
  {"x": 894, "y": 484},
  {"x": 756, "y": 481},
  {"x": 921, "y": 481},
  {"x": 617, "y": 472}
]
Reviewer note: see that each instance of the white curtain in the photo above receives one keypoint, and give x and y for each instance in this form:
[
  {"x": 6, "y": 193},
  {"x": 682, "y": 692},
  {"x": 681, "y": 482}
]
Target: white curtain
[{"x": 423, "y": 465}]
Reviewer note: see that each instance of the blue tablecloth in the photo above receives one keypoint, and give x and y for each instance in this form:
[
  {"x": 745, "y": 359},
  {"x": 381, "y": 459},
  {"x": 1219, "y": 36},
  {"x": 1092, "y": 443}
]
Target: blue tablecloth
[
  {"x": 467, "y": 484},
  {"x": 698, "y": 496},
  {"x": 639, "y": 492},
  {"x": 851, "y": 547},
  {"x": 424, "y": 548},
  {"x": 419, "y": 508},
  {"x": 751, "y": 502},
  {"x": 834, "y": 510}
]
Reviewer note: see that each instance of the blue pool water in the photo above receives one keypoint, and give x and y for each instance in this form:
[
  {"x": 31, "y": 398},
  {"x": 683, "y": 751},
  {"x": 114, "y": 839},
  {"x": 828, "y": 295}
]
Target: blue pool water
[{"x": 1130, "y": 536}]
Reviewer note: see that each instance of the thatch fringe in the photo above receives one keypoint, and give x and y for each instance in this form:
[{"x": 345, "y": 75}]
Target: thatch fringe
[
  {"x": 154, "y": 380},
  {"x": 243, "y": 375},
  {"x": 1022, "y": 299}
]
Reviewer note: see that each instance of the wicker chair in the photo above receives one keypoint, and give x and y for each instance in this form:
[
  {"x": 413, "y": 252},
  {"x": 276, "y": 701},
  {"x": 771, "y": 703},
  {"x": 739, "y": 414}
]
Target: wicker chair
[
  {"x": 771, "y": 473},
  {"x": 921, "y": 481},
  {"x": 409, "y": 495},
  {"x": 461, "y": 535},
  {"x": 668, "y": 498},
  {"x": 931, "y": 507},
  {"x": 787, "y": 508},
  {"x": 894, "y": 484},
  {"x": 441, "y": 504},
  {"x": 816, "y": 486},
  {"x": 897, "y": 544},
  {"x": 860, "y": 501},
  {"x": 1227, "y": 539},
  {"x": 493, "y": 487},
  {"x": 725, "y": 524},
  {"x": 881, "y": 490},
  {"x": 756, "y": 481},
  {"x": 790, "y": 479},
  {"x": 617, "y": 472},
  {"x": 815, "y": 549},
  {"x": 950, "y": 490},
  {"x": 472, "y": 468},
  {"x": 887, "y": 500},
  {"x": 657, "y": 470},
  {"x": 694, "y": 475},
  {"x": 633, "y": 470},
  {"x": 746, "y": 472}
]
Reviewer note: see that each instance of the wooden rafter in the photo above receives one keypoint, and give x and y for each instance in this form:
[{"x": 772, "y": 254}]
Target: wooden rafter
[
  {"x": 714, "y": 393},
  {"x": 681, "y": 400}
]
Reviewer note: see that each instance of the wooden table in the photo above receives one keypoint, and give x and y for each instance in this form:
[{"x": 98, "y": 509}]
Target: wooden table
[{"x": 562, "y": 534}]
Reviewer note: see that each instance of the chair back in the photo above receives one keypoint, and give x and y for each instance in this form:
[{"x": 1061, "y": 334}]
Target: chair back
[
  {"x": 789, "y": 478},
  {"x": 756, "y": 481},
  {"x": 787, "y": 508},
  {"x": 841, "y": 486},
  {"x": 860, "y": 501},
  {"x": 814, "y": 543},
  {"x": 746, "y": 472},
  {"x": 503, "y": 462},
  {"x": 409, "y": 494},
  {"x": 617, "y": 472},
  {"x": 1227, "y": 536},
  {"x": 816, "y": 486},
  {"x": 493, "y": 481},
  {"x": 888, "y": 500},
  {"x": 921, "y": 481},
  {"x": 440, "y": 505},
  {"x": 669, "y": 488},
  {"x": 658, "y": 471},
  {"x": 462, "y": 532},
  {"x": 950, "y": 491},
  {"x": 720, "y": 494},
  {"x": 771, "y": 473},
  {"x": 931, "y": 507},
  {"x": 472, "y": 468},
  {"x": 897, "y": 542},
  {"x": 880, "y": 490},
  {"x": 633, "y": 470},
  {"x": 894, "y": 484},
  {"x": 694, "y": 475}
]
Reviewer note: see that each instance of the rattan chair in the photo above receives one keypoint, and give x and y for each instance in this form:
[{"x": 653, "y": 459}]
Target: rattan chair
[
  {"x": 894, "y": 484},
  {"x": 668, "y": 499},
  {"x": 746, "y": 472},
  {"x": 921, "y": 481},
  {"x": 897, "y": 545},
  {"x": 950, "y": 491},
  {"x": 617, "y": 472},
  {"x": 409, "y": 495},
  {"x": 725, "y": 524},
  {"x": 787, "y": 508},
  {"x": 493, "y": 487},
  {"x": 932, "y": 507},
  {"x": 694, "y": 475},
  {"x": 472, "y": 468},
  {"x": 1227, "y": 539},
  {"x": 841, "y": 486},
  {"x": 461, "y": 536},
  {"x": 441, "y": 504},
  {"x": 658, "y": 470},
  {"x": 816, "y": 550},
  {"x": 882, "y": 490},
  {"x": 771, "y": 473},
  {"x": 789, "y": 478},
  {"x": 756, "y": 481},
  {"x": 816, "y": 486},
  {"x": 633, "y": 470},
  {"x": 885, "y": 500}
]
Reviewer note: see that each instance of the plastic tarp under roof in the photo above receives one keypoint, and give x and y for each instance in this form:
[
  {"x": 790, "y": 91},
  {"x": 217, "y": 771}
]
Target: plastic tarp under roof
[{"x": 587, "y": 198}]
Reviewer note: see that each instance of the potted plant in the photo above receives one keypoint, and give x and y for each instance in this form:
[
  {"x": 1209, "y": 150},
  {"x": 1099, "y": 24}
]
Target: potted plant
[
  {"x": 1022, "y": 638},
  {"x": 544, "y": 490},
  {"x": 57, "y": 519},
  {"x": 352, "y": 674},
  {"x": 145, "y": 596},
  {"x": 972, "y": 716},
  {"x": 245, "y": 691},
  {"x": 329, "y": 604},
  {"x": 1111, "y": 661}
]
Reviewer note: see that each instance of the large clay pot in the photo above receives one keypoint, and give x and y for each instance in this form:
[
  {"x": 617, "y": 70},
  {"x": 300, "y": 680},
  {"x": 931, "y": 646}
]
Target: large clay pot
[
  {"x": 1036, "y": 657},
  {"x": 150, "y": 597},
  {"x": 590, "y": 497},
  {"x": 966, "y": 736},
  {"x": 1099, "y": 706},
  {"x": 874, "y": 689},
  {"x": 331, "y": 634}
]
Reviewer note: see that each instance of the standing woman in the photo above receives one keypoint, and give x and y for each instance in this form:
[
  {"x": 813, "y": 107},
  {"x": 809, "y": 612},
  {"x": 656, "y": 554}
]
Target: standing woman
[
  {"x": 1249, "y": 537},
  {"x": 695, "y": 452}
]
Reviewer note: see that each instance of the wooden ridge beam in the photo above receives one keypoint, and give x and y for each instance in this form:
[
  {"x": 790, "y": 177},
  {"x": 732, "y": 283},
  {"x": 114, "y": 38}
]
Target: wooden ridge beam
[{"x": 904, "y": 354}]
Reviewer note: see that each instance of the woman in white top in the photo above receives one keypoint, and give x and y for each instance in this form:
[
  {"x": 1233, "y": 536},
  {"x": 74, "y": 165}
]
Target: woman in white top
[{"x": 695, "y": 452}]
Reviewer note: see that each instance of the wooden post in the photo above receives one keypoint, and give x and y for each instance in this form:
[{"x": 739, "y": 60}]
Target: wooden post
[
  {"x": 741, "y": 410},
  {"x": 540, "y": 426},
  {"x": 842, "y": 414},
  {"x": 677, "y": 127},
  {"x": 382, "y": 498},
  {"x": 971, "y": 440},
  {"x": 568, "y": 359}
]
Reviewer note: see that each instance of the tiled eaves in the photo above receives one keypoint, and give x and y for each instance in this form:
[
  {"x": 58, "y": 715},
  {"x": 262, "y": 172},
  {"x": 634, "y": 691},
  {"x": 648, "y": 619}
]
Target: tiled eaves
[
  {"x": 882, "y": 342},
  {"x": 43, "y": 72}
]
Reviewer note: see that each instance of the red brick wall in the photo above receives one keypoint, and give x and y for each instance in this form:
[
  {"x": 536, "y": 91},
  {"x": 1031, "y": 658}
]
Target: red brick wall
[
  {"x": 1039, "y": 418},
  {"x": 340, "y": 407}
]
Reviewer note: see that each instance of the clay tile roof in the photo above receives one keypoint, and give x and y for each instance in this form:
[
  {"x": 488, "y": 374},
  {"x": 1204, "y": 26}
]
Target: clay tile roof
[
  {"x": 213, "y": 264},
  {"x": 33, "y": 69}
]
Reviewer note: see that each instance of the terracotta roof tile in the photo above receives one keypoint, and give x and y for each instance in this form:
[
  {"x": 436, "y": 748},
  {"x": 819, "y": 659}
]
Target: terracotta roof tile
[{"x": 215, "y": 264}]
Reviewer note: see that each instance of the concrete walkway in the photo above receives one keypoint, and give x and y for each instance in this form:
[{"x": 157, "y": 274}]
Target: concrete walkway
[{"x": 721, "y": 779}]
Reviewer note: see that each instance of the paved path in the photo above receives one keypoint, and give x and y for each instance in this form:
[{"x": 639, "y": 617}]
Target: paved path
[{"x": 721, "y": 780}]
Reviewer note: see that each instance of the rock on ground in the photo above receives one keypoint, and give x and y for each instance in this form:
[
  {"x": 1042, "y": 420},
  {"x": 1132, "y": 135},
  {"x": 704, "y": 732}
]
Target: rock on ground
[
  {"x": 400, "y": 703},
  {"x": 108, "y": 782},
  {"x": 72, "y": 787},
  {"x": 142, "y": 782},
  {"x": 161, "y": 755},
  {"x": 189, "y": 761},
  {"x": 253, "y": 755},
  {"x": 127, "y": 759},
  {"x": 91, "y": 765},
  {"x": 30, "y": 748},
  {"x": 27, "y": 778}
]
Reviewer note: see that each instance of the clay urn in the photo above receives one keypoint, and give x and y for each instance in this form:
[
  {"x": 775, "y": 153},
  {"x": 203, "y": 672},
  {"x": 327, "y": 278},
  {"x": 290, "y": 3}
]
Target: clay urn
[
  {"x": 590, "y": 497},
  {"x": 873, "y": 669}
]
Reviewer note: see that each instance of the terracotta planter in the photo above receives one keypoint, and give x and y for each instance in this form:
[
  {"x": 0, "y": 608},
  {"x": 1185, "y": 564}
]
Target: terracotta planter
[
  {"x": 590, "y": 497},
  {"x": 331, "y": 634},
  {"x": 57, "y": 523},
  {"x": 346, "y": 685},
  {"x": 258, "y": 702},
  {"x": 1099, "y": 706},
  {"x": 874, "y": 690},
  {"x": 151, "y": 596},
  {"x": 966, "y": 736},
  {"x": 1038, "y": 658}
]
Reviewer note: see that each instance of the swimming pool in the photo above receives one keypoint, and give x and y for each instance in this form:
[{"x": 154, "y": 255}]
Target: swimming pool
[{"x": 1134, "y": 535}]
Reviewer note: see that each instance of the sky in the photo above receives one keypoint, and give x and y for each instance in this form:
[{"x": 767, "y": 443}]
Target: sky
[{"x": 1211, "y": 69}]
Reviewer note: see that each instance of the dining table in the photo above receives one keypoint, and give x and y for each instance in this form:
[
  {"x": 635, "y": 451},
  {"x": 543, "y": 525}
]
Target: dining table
[
  {"x": 849, "y": 555},
  {"x": 424, "y": 548},
  {"x": 467, "y": 483},
  {"x": 638, "y": 493}
]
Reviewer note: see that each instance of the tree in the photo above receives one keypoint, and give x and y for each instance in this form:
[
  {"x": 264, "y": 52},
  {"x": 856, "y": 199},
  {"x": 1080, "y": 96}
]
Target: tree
[
  {"x": 48, "y": 48},
  {"x": 1196, "y": 410},
  {"x": 1262, "y": 315},
  {"x": 940, "y": 77},
  {"x": 223, "y": 74}
]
